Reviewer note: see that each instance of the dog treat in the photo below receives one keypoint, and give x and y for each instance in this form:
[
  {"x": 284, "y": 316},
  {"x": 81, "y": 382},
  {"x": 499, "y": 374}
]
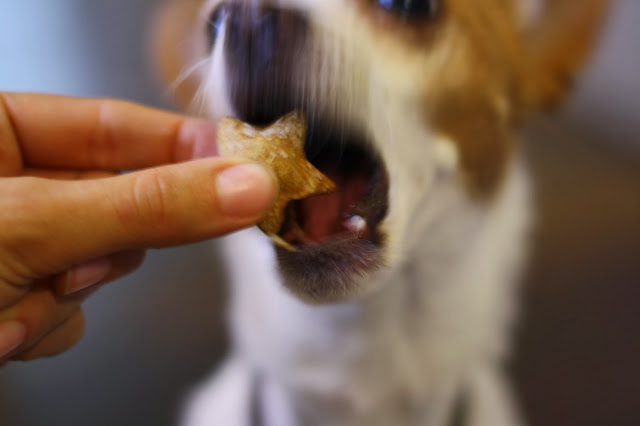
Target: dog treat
[{"x": 281, "y": 147}]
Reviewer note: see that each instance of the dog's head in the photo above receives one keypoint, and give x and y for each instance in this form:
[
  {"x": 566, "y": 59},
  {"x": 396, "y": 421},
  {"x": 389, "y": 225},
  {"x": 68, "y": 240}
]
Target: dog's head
[{"x": 403, "y": 98}]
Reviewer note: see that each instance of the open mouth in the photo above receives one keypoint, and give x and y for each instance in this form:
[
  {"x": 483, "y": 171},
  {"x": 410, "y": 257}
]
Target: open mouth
[
  {"x": 355, "y": 209},
  {"x": 336, "y": 236}
]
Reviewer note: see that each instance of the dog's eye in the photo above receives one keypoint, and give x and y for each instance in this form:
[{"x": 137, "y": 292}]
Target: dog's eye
[
  {"x": 214, "y": 25},
  {"x": 411, "y": 9}
]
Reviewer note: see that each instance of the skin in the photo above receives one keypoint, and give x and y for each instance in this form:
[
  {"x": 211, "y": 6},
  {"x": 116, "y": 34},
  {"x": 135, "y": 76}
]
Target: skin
[{"x": 70, "y": 221}]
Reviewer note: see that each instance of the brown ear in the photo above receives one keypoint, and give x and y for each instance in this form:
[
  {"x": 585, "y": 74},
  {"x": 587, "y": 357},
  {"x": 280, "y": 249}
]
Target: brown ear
[
  {"x": 175, "y": 44},
  {"x": 557, "y": 45}
]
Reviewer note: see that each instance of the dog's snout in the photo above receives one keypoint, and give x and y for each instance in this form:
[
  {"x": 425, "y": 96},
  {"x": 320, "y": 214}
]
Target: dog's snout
[
  {"x": 260, "y": 36},
  {"x": 215, "y": 24},
  {"x": 262, "y": 49}
]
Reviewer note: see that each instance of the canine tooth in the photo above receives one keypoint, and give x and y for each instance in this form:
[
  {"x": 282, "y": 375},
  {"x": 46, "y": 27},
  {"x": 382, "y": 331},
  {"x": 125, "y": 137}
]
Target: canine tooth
[
  {"x": 280, "y": 242},
  {"x": 356, "y": 224}
]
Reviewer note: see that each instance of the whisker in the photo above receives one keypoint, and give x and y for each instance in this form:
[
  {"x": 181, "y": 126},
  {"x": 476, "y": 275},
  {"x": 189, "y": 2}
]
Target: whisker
[
  {"x": 185, "y": 74},
  {"x": 198, "y": 103}
]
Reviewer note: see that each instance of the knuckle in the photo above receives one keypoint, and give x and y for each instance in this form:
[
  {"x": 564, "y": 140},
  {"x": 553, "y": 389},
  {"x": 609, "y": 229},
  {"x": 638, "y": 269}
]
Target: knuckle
[
  {"x": 10, "y": 293},
  {"x": 102, "y": 141},
  {"x": 39, "y": 310},
  {"x": 54, "y": 328},
  {"x": 20, "y": 200},
  {"x": 148, "y": 203}
]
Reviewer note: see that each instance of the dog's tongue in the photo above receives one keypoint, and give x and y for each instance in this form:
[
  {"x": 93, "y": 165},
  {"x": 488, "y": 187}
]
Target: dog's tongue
[{"x": 325, "y": 215}]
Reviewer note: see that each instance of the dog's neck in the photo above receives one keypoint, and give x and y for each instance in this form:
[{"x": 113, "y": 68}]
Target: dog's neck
[{"x": 403, "y": 346}]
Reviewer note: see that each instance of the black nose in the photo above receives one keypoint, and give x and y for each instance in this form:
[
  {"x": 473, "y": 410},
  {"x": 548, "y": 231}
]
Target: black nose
[{"x": 264, "y": 47}]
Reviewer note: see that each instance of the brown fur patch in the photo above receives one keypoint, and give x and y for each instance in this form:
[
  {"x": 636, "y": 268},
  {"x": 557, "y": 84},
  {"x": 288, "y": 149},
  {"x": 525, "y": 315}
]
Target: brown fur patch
[
  {"x": 495, "y": 73},
  {"x": 414, "y": 31},
  {"x": 558, "y": 47},
  {"x": 475, "y": 100},
  {"x": 482, "y": 136}
]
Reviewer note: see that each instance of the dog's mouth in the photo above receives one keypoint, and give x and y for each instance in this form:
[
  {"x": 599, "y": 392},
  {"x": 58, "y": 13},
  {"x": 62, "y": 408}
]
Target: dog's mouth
[
  {"x": 336, "y": 236},
  {"x": 355, "y": 209}
]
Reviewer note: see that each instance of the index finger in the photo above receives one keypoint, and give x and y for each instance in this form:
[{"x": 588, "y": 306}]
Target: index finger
[{"x": 82, "y": 133}]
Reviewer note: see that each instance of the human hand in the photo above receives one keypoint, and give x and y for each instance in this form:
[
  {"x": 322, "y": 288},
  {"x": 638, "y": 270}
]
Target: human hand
[{"x": 70, "y": 221}]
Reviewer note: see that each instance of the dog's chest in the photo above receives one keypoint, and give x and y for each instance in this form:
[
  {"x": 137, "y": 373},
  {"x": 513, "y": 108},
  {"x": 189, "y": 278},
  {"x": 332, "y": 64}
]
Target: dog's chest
[
  {"x": 337, "y": 361},
  {"x": 403, "y": 350}
]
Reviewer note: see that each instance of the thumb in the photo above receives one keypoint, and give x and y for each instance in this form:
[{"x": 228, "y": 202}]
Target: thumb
[{"x": 48, "y": 225}]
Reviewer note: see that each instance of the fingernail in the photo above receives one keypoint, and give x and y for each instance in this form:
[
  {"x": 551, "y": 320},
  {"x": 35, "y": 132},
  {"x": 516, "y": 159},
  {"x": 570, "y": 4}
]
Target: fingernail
[
  {"x": 86, "y": 274},
  {"x": 12, "y": 335},
  {"x": 196, "y": 139},
  {"x": 245, "y": 190}
]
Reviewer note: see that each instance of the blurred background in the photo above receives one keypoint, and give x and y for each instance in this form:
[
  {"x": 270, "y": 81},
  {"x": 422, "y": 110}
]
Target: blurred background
[{"x": 152, "y": 336}]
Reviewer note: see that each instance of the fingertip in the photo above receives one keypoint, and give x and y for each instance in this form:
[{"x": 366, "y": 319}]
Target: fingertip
[
  {"x": 246, "y": 190},
  {"x": 12, "y": 335},
  {"x": 196, "y": 139},
  {"x": 62, "y": 338},
  {"x": 84, "y": 275}
]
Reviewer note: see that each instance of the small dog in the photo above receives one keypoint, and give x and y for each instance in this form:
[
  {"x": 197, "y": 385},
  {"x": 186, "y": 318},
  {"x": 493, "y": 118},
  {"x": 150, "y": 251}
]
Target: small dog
[{"x": 396, "y": 307}]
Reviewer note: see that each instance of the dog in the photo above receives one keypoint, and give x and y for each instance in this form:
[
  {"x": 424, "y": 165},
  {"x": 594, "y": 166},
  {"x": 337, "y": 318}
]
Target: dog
[{"x": 413, "y": 108}]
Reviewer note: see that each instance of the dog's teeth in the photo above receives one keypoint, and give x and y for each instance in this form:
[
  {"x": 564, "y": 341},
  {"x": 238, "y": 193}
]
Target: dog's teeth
[
  {"x": 280, "y": 242},
  {"x": 356, "y": 224}
]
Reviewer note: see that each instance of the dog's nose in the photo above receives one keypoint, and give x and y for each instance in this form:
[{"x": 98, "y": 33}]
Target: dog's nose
[
  {"x": 262, "y": 50},
  {"x": 259, "y": 36}
]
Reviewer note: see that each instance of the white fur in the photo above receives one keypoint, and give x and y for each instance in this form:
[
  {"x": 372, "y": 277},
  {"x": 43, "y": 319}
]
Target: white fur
[
  {"x": 433, "y": 322},
  {"x": 432, "y": 328}
]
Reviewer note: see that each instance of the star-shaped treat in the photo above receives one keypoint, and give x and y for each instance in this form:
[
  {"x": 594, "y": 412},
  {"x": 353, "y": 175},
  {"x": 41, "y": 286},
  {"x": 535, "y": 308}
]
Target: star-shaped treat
[{"x": 281, "y": 147}]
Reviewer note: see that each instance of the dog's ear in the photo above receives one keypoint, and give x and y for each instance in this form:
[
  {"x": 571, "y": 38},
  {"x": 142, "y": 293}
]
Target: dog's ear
[
  {"x": 558, "y": 37},
  {"x": 174, "y": 46}
]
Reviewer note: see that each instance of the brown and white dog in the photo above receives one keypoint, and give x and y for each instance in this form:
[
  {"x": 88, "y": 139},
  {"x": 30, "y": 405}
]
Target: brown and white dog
[{"x": 412, "y": 108}]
